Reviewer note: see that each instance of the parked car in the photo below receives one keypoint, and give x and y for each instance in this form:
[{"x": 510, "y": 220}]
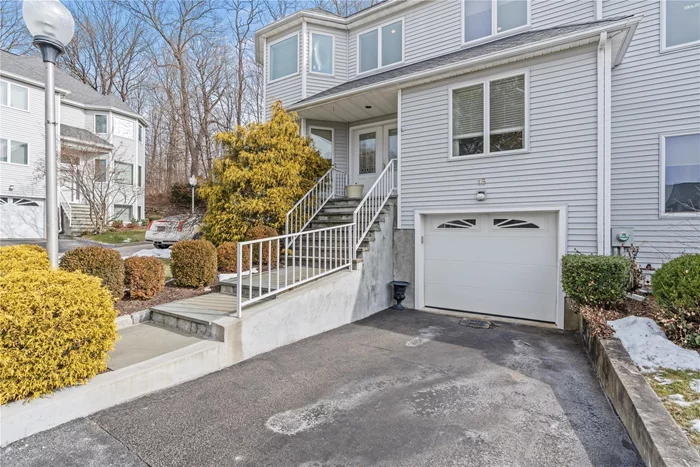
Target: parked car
[{"x": 170, "y": 230}]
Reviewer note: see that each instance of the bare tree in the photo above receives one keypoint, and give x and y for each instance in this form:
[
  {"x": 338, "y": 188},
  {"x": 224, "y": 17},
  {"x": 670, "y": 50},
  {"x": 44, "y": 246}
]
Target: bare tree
[
  {"x": 343, "y": 7},
  {"x": 14, "y": 36},
  {"x": 242, "y": 17}
]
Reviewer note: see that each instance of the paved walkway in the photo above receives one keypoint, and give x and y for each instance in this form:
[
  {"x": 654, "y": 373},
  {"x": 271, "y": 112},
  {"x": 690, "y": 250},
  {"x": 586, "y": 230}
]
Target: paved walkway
[{"x": 397, "y": 389}]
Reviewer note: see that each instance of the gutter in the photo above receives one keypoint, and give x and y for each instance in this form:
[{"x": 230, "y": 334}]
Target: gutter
[
  {"x": 81, "y": 142},
  {"x": 106, "y": 109},
  {"x": 33, "y": 82},
  {"x": 459, "y": 68}
]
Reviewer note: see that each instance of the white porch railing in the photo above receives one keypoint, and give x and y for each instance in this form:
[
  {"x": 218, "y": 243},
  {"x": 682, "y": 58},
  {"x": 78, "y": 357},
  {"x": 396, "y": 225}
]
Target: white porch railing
[
  {"x": 67, "y": 208},
  {"x": 266, "y": 267},
  {"x": 372, "y": 204},
  {"x": 331, "y": 184}
]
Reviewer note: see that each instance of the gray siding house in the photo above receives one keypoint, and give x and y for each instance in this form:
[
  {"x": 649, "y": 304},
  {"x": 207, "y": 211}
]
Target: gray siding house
[
  {"x": 519, "y": 131},
  {"x": 91, "y": 125}
]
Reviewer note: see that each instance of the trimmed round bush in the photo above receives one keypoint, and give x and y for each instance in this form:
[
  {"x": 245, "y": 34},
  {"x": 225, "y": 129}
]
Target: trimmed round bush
[
  {"x": 193, "y": 263},
  {"x": 269, "y": 254},
  {"x": 227, "y": 254},
  {"x": 596, "y": 280},
  {"x": 97, "y": 261},
  {"x": 57, "y": 329},
  {"x": 144, "y": 276},
  {"x": 17, "y": 258},
  {"x": 676, "y": 284}
]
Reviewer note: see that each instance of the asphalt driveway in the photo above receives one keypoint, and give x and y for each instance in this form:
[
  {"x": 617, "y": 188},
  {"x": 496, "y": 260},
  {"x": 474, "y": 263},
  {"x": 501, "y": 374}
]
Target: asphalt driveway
[
  {"x": 397, "y": 389},
  {"x": 67, "y": 244}
]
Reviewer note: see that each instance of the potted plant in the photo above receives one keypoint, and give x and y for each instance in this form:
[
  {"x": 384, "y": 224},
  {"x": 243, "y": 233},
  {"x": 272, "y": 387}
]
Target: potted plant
[{"x": 354, "y": 191}]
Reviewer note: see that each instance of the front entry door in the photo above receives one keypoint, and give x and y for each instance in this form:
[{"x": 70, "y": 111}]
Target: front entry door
[{"x": 368, "y": 156}]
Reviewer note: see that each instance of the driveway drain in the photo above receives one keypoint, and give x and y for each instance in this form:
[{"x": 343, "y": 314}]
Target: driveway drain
[{"x": 475, "y": 323}]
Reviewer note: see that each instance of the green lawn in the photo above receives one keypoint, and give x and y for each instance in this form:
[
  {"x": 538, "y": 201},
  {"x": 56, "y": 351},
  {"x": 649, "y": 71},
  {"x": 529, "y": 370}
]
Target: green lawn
[{"x": 119, "y": 236}]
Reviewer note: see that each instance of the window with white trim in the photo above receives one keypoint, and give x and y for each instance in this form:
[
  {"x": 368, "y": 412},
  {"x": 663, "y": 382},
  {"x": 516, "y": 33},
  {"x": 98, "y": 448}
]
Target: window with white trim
[
  {"x": 484, "y": 18},
  {"x": 14, "y": 152},
  {"x": 101, "y": 124},
  {"x": 681, "y": 167},
  {"x": 323, "y": 141},
  {"x": 124, "y": 172},
  {"x": 380, "y": 47},
  {"x": 284, "y": 57},
  {"x": 496, "y": 105},
  {"x": 100, "y": 170},
  {"x": 321, "y": 53},
  {"x": 13, "y": 95},
  {"x": 680, "y": 23},
  {"x": 140, "y": 134}
]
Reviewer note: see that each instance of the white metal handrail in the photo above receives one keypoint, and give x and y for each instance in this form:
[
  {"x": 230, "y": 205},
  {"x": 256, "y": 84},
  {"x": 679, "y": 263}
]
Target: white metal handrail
[
  {"x": 275, "y": 264},
  {"x": 303, "y": 212},
  {"x": 65, "y": 204},
  {"x": 371, "y": 205}
]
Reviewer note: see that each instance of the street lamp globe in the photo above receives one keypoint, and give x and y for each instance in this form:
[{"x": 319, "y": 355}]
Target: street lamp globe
[
  {"x": 48, "y": 21},
  {"x": 193, "y": 181}
]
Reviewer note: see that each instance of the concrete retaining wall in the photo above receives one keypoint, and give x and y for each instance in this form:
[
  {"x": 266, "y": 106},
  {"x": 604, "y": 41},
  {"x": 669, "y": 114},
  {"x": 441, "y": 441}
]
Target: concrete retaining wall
[{"x": 655, "y": 434}]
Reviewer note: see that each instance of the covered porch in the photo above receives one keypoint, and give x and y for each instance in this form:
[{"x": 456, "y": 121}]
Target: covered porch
[{"x": 359, "y": 133}]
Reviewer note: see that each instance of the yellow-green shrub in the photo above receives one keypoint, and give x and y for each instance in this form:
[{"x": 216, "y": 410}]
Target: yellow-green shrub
[
  {"x": 18, "y": 258},
  {"x": 266, "y": 168},
  {"x": 227, "y": 255},
  {"x": 97, "y": 261},
  {"x": 193, "y": 263},
  {"x": 56, "y": 330},
  {"x": 269, "y": 252},
  {"x": 144, "y": 276}
]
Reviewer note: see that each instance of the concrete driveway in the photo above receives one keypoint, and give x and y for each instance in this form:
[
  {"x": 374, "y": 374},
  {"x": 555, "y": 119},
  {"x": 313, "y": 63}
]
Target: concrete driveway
[{"x": 397, "y": 389}]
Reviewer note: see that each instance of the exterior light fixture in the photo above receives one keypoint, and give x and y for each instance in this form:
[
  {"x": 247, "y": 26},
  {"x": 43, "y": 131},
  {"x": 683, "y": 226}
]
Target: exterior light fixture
[
  {"x": 193, "y": 183},
  {"x": 480, "y": 195},
  {"x": 52, "y": 27}
]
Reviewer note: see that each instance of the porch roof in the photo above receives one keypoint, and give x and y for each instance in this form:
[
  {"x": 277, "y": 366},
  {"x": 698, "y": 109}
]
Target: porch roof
[
  {"x": 482, "y": 55},
  {"x": 84, "y": 138}
]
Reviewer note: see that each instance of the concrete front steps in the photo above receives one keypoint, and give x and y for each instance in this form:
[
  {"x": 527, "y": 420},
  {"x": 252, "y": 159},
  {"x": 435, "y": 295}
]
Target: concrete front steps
[{"x": 80, "y": 218}]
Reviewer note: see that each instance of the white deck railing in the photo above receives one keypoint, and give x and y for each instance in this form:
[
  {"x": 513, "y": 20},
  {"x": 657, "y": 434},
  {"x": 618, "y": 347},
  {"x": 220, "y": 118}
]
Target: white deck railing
[
  {"x": 266, "y": 267},
  {"x": 331, "y": 184},
  {"x": 372, "y": 204},
  {"x": 67, "y": 208}
]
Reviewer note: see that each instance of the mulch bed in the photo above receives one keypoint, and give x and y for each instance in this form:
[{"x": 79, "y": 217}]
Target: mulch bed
[{"x": 126, "y": 306}]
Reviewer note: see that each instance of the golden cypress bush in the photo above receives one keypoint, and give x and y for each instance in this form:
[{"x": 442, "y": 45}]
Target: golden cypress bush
[
  {"x": 269, "y": 252},
  {"x": 267, "y": 167},
  {"x": 193, "y": 263},
  {"x": 105, "y": 263},
  {"x": 57, "y": 328},
  {"x": 227, "y": 256},
  {"x": 144, "y": 276},
  {"x": 18, "y": 258}
]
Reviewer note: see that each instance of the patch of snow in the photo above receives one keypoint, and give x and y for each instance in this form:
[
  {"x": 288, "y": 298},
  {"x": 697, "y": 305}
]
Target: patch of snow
[
  {"x": 679, "y": 399},
  {"x": 695, "y": 425},
  {"x": 155, "y": 252},
  {"x": 649, "y": 348},
  {"x": 695, "y": 385},
  {"x": 228, "y": 276},
  {"x": 663, "y": 381},
  {"x": 126, "y": 240}
]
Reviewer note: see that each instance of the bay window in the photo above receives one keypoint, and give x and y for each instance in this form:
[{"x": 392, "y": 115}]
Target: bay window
[
  {"x": 680, "y": 159},
  {"x": 488, "y": 117},
  {"x": 284, "y": 57},
  {"x": 484, "y": 18},
  {"x": 380, "y": 47},
  {"x": 321, "y": 53}
]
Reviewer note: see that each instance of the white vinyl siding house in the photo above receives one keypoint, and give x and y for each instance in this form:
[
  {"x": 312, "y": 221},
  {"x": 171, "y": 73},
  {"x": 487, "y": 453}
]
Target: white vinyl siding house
[{"x": 520, "y": 128}]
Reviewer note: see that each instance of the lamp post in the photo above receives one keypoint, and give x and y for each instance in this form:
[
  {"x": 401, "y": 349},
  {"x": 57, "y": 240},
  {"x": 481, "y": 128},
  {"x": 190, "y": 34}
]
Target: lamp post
[
  {"x": 51, "y": 25},
  {"x": 193, "y": 183}
]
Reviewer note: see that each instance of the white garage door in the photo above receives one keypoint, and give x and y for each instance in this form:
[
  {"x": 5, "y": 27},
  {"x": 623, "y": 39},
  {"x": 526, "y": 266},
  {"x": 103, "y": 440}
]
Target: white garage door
[
  {"x": 21, "y": 218},
  {"x": 500, "y": 264}
]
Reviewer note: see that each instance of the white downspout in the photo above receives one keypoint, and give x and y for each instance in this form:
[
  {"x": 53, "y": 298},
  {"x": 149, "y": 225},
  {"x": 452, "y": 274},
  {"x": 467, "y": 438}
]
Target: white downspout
[
  {"x": 304, "y": 59},
  {"x": 604, "y": 192},
  {"x": 398, "y": 159},
  {"x": 598, "y": 10},
  {"x": 607, "y": 143}
]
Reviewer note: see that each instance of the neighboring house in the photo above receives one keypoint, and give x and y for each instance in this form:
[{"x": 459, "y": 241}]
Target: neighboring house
[
  {"x": 90, "y": 125},
  {"x": 521, "y": 131}
]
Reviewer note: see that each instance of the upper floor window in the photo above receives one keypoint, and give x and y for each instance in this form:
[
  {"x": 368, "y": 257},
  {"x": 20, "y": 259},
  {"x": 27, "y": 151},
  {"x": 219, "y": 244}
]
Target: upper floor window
[
  {"x": 101, "y": 124},
  {"x": 680, "y": 23},
  {"x": 124, "y": 172},
  {"x": 380, "y": 47},
  {"x": 284, "y": 58},
  {"x": 13, "y": 95},
  {"x": 323, "y": 141},
  {"x": 484, "y": 18},
  {"x": 321, "y": 53},
  {"x": 680, "y": 159},
  {"x": 100, "y": 170},
  {"x": 14, "y": 152},
  {"x": 140, "y": 134},
  {"x": 496, "y": 105}
]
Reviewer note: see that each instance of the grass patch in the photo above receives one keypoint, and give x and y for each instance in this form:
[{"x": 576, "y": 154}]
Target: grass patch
[
  {"x": 680, "y": 384},
  {"x": 119, "y": 236}
]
